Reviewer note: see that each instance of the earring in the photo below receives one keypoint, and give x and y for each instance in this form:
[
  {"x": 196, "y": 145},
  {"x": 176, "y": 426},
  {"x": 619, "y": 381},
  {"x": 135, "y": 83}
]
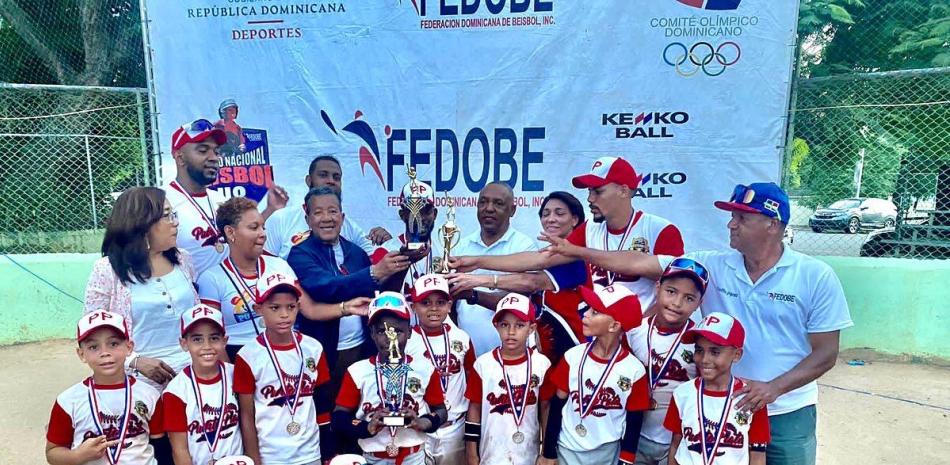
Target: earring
[{"x": 147, "y": 245}]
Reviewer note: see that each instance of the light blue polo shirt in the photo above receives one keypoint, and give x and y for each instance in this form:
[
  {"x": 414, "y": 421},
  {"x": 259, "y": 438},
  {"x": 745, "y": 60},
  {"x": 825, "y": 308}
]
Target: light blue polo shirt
[{"x": 798, "y": 296}]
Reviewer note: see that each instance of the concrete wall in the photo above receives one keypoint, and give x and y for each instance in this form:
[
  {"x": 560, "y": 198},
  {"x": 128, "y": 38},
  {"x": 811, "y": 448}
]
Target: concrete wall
[{"x": 898, "y": 306}]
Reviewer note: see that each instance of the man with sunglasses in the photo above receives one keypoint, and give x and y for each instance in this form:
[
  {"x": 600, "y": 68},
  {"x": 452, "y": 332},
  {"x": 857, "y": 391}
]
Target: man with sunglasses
[{"x": 792, "y": 306}]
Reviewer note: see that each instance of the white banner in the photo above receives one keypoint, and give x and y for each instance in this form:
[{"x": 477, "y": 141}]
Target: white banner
[{"x": 692, "y": 92}]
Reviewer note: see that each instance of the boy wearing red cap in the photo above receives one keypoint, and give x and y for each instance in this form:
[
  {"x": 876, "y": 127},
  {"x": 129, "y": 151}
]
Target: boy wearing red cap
[
  {"x": 390, "y": 400},
  {"x": 658, "y": 343},
  {"x": 705, "y": 425},
  {"x": 602, "y": 388},
  {"x": 281, "y": 381},
  {"x": 507, "y": 390},
  {"x": 109, "y": 416},
  {"x": 201, "y": 408},
  {"x": 450, "y": 350}
]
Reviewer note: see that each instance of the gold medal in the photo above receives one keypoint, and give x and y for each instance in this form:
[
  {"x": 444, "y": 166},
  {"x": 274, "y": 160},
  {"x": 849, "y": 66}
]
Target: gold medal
[
  {"x": 581, "y": 430},
  {"x": 652, "y": 404},
  {"x": 518, "y": 437},
  {"x": 218, "y": 247},
  {"x": 293, "y": 428},
  {"x": 392, "y": 449}
]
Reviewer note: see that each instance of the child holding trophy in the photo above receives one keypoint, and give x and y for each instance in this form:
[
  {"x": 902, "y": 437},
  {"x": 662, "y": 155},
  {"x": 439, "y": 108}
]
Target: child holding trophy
[{"x": 390, "y": 400}]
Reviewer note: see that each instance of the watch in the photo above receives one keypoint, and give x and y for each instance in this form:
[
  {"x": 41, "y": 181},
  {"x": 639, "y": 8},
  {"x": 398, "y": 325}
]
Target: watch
[{"x": 472, "y": 299}]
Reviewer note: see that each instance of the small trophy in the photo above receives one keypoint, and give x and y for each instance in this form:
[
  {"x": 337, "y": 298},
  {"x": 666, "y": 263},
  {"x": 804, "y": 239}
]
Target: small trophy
[
  {"x": 414, "y": 199},
  {"x": 451, "y": 235},
  {"x": 395, "y": 373}
]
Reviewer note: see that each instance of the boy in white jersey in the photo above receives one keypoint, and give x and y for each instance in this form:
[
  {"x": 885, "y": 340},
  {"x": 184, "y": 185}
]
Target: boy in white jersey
[
  {"x": 508, "y": 391},
  {"x": 201, "y": 409},
  {"x": 450, "y": 350},
  {"x": 706, "y": 426},
  {"x": 602, "y": 388},
  {"x": 658, "y": 343},
  {"x": 280, "y": 379},
  {"x": 109, "y": 416},
  {"x": 390, "y": 400}
]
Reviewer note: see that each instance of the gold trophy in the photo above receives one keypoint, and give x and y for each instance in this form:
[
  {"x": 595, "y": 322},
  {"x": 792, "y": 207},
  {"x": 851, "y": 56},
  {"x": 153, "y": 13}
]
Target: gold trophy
[
  {"x": 451, "y": 235},
  {"x": 414, "y": 201},
  {"x": 395, "y": 373}
]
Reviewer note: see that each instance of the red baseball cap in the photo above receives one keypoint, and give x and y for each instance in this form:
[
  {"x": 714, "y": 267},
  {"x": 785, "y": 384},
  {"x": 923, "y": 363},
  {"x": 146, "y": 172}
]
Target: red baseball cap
[
  {"x": 388, "y": 302},
  {"x": 200, "y": 312},
  {"x": 271, "y": 282},
  {"x": 427, "y": 284},
  {"x": 608, "y": 170},
  {"x": 197, "y": 131},
  {"x": 719, "y": 328},
  {"x": 617, "y": 301},
  {"x": 100, "y": 319},
  {"x": 519, "y": 306}
]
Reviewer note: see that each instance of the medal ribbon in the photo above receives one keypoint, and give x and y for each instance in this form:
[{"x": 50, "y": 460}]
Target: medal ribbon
[
  {"x": 586, "y": 410},
  {"x": 211, "y": 443},
  {"x": 113, "y": 453},
  {"x": 280, "y": 371},
  {"x": 708, "y": 451},
  {"x": 194, "y": 203},
  {"x": 242, "y": 287},
  {"x": 517, "y": 410},
  {"x": 443, "y": 369},
  {"x": 655, "y": 377},
  {"x": 623, "y": 238}
]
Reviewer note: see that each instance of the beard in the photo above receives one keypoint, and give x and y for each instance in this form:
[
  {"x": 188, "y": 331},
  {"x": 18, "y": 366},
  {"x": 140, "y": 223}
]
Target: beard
[
  {"x": 200, "y": 177},
  {"x": 598, "y": 218}
]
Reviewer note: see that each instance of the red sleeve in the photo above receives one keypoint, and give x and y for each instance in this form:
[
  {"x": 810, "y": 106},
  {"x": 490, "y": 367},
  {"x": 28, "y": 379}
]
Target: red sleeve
[
  {"x": 639, "y": 398},
  {"x": 473, "y": 386},
  {"x": 468, "y": 364},
  {"x": 323, "y": 370},
  {"x": 759, "y": 431},
  {"x": 176, "y": 420},
  {"x": 211, "y": 303},
  {"x": 578, "y": 236},
  {"x": 378, "y": 255},
  {"x": 672, "y": 421},
  {"x": 60, "y": 430},
  {"x": 561, "y": 376},
  {"x": 434, "y": 394},
  {"x": 349, "y": 396},
  {"x": 669, "y": 242},
  {"x": 156, "y": 424},
  {"x": 243, "y": 377}
]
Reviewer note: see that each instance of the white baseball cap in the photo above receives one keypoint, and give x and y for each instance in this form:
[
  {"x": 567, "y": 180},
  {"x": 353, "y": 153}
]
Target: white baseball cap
[
  {"x": 200, "y": 312},
  {"x": 388, "y": 302},
  {"x": 271, "y": 281},
  {"x": 719, "y": 328},
  {"x": 235, "y": 460},
  {"x": 417, "y": 189},
  {"x": 348, "y": 459},
  {"x": 519, "y": 305},
  {"x": 100, "y": 319},
  {"x": 607, "y": 170},
  {"x": 427, "y": 284}
]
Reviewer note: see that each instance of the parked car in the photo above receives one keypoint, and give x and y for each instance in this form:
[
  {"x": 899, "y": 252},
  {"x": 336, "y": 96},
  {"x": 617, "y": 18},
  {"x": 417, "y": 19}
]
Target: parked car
[
  {"x": 883, "y": 243},
  {"x": 852, "y": 215}
]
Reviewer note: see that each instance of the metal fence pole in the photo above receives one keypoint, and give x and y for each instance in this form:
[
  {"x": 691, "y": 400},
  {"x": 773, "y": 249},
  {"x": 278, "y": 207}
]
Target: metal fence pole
[
  {"x": 92, "y": 190},
  {"x": 149, "y": 83},
  {"x": 142, "y": 145}
]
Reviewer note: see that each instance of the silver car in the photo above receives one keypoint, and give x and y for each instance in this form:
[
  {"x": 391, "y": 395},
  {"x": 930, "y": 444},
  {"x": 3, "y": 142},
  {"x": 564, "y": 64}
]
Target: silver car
[{"x": 854, "y": 214}]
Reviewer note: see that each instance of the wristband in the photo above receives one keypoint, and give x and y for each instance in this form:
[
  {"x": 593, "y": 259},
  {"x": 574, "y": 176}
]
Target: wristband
[
  {"x": 472, "y": 299},
  {"x": 372, "y": 274},
  {"x": 343, "y": 308},
  {"x": 473, "y": 432}
]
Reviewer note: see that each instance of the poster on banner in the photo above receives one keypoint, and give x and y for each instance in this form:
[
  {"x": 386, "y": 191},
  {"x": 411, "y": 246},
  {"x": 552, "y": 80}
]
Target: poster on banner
[{"x": 694, "y": 93}]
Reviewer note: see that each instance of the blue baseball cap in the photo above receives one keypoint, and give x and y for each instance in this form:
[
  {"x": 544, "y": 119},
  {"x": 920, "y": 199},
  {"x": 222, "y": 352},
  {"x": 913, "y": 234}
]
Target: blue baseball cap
[{"x": 765, "y": 198}]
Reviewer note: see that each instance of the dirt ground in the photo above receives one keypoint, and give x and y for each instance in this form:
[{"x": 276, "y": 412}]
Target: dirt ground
[{"x": 886, "y": 412}]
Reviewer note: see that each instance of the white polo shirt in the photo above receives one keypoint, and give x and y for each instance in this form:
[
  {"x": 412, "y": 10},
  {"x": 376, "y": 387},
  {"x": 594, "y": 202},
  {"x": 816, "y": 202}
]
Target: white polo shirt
[
  {"x": 798, "y": 296},
  {"x": 288, "y": 227},
  {"x": 475, "y": 319}
]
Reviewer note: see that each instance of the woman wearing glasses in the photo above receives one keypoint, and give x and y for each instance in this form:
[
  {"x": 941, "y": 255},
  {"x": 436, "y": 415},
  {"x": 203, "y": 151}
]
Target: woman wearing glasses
[{"x": 146, "y": 279}]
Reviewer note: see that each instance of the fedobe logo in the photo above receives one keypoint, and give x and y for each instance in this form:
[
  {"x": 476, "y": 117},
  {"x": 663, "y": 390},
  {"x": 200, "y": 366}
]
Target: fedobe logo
[
  {"x": 712, "y": 4},
  {"x": 474, "y": 14}
]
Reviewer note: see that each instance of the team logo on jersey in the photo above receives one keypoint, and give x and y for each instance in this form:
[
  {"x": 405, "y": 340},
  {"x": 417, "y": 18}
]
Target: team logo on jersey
[
  {"x": 311, "y": 364},
  {"x": 141, "y": 409},
  {"x": 640, "y": 244},
  {"x": 414, "y": 385},
  {"x": 623, "y": 383},
  {"x": 687, "y": 356},
  {"x": 742, "y": 418},
  {"x": 535, "y": 381},
  {"x": 457, "y": 347},
  {"x": 296, "y": 239}
]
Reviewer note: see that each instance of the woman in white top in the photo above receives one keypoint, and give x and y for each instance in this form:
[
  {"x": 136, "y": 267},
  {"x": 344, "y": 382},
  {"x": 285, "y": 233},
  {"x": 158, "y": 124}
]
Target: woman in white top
[{"x": 146, "y": 279}]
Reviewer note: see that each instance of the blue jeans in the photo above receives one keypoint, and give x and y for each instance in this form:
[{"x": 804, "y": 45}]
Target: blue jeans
[{"x": 793, "y": 438}]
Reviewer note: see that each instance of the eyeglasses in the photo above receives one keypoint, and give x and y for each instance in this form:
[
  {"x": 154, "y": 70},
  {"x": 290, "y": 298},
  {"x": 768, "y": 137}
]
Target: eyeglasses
[
  {"x": 743, "y": 194},
  {"x": 171, "y": 217},
  {"x": 688, "y": 264},
  {"x": 388, "y": 301}
]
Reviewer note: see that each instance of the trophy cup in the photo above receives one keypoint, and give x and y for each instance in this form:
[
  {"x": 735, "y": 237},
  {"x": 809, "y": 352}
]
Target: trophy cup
[
  {"x": 395, "y": 373},
  {"x": 451, "y": 235},
  {"x": 414, "y": 199}
]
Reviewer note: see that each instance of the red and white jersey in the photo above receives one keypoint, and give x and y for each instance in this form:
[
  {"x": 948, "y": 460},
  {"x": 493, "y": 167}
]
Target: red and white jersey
[
  {"x": 255, "y": 373},
  {"x": 458, "y": 362},
  {"x": 652, "y": 347},
  {"x": 197, "y": 230},
  {"x": 742, "y": 430},
  {"x": 183, "y": 414},
  {"x": 359, "y": 391},
  {"x": 288, "y": 227},
  {"x": 487, "y": 386},
  {"x": 71, "y": 421},
  {"x": 625, "y": 389},
  {"x": 223, "y": 286},
  {"x": 646, "y": 232}
]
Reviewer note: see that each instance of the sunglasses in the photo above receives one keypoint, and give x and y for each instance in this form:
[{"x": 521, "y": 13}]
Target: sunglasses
[
  {"x": 688, "y": 264},
  {"x": 388, "y": 301},
  {"x": 198, "y": 126}
]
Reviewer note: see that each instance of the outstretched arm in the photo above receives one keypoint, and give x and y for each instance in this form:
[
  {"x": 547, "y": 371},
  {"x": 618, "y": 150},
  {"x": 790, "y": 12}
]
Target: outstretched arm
[
  {"x": 514, "y": 263},
  {"x": 628, "y": 263}
]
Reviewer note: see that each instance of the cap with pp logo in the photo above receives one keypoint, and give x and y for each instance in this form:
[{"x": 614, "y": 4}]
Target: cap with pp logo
[
  {"x": 519, "y": 306},
  {"x": 719, "y": 328},
  {"x": 388, "y": 302},
  {"x": 200, "y": 312},
  {"x": 608, "y": 170},
  {"x": 417, "y": 190},
  {"x": 271, "y": 282},
  {"x": 617, "y": 301},
  {"x": 100, "y": 319},
  {"x": 427, "y": 284}
]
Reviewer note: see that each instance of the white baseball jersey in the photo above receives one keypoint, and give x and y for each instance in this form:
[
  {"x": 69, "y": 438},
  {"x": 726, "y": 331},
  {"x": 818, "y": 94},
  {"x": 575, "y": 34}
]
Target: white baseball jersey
[
  {"x": 223, "y": 286},
  {"x": 288, "y": 227},
  {"x": 487, "y": 387},
  {"x": 183, "y": 414},
  {"x": 71, "y": 421},
  {"x": 255, "y": 373},
  {"x": 646, "y": 232},
  {"x": 197, "y": 231},
  {"x": 624, "y": 389},
  {"x": 742, "y": 430},
  {"x": 359, "y": 391},
  {"x": 679, "y": 369},
  {"x": 461, "y": 356}
]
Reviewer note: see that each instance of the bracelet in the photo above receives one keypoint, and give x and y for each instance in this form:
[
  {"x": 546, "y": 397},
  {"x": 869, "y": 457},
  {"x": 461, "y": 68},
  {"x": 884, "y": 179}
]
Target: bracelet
[
  {"x": 134, "y": 364},
  {"x": 372, "y": 275},
  {"x": 494, "y": 282},
  {"x": 342, "y": 309}
]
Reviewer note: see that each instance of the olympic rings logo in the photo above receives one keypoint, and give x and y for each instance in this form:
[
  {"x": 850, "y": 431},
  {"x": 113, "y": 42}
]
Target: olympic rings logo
[{"x": 702, "y": 56}]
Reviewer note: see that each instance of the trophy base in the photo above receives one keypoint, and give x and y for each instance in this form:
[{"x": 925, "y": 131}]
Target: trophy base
[
  {"x": 415, "y": 245},
  {"x": 395, "y": 421}
]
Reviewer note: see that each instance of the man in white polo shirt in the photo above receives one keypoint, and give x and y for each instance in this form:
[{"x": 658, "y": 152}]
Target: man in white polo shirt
[{"x": 791, "y": 305}]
